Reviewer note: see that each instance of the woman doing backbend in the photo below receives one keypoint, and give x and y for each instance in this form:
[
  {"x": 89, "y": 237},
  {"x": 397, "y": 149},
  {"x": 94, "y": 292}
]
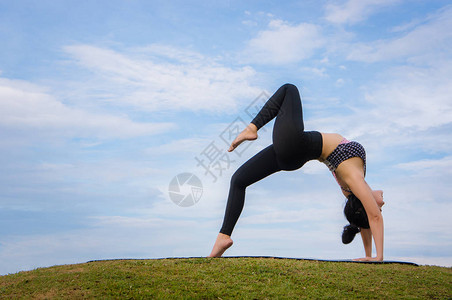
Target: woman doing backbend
[{"x": 292, "y": 147}]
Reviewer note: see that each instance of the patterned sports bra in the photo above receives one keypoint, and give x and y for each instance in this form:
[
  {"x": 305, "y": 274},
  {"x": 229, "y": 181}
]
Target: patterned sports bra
[{"x": 345, "y": 150}]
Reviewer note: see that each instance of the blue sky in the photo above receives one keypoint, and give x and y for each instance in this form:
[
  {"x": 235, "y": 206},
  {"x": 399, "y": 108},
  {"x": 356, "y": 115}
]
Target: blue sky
[{"x": 103, "y": 103}]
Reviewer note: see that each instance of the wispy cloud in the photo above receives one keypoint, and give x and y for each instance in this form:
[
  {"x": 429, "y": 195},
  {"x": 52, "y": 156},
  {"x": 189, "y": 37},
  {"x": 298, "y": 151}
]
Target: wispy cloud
[
  {"x": 30, "y": 109},
  {"x": 283, "y": 43},
  {"x": 186, "y": 146},
  {"x": 354, "y": 11},
  {"x": 159, "y": 78},
  {"x": 415, "y": 99},
  {"x": 409, "y": 107},
  {"x": 425, "y": 43},
  {"x": 410, "y": 96},
  {"x": 429, "y": 167}
]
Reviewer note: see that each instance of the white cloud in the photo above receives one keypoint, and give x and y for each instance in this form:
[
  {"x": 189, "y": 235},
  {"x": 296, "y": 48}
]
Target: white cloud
[
  {"x": 340, "y": 82},
  {"x": 414, "y": 98},
  {"x": 249, "y": 23},
  {"x": 283, "y": 43},
  {"x": 27, "y": 107},
  {"x": 188, "y": 146},
  {"x": 404, "y": 106},
  {"x": 418, "y": 208},
  {"x": 310, "y": 71},
  {"x": 425, "y": 43},
  {"x": 287, "y": 216},
  {"x": 160, "y": 77},
  {"x": 429, "y": 167},
  {"x": 354, "y": 11}
]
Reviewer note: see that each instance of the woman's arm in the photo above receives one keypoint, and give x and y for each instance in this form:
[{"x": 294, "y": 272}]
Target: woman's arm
[
  {"x": 354, "y": 178},
  {"x": 366, "y": 235},
  {"x": 361, "y": 190}
]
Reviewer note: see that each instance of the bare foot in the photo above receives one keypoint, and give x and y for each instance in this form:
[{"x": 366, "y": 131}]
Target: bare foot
[
  {"x": 378, "y": 195},
  {"x": 222, "y": 243},
  {"x": 248, "y": 134}
]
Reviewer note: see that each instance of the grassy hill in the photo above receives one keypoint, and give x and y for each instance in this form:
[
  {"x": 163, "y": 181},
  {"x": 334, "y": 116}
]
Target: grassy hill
[{"x": 226, "y": 278}]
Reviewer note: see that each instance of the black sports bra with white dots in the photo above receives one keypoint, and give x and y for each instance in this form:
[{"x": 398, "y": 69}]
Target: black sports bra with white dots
[{"x": 345, "y": 150}]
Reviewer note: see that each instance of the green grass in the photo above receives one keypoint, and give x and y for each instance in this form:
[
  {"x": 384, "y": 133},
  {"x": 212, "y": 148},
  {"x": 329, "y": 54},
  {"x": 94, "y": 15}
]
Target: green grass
[{"x": 229, "y": 278}]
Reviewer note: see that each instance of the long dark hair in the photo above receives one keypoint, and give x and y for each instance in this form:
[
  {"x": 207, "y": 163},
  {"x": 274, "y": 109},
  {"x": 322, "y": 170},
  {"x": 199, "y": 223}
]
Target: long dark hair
[{"x": 357, "y": 217}]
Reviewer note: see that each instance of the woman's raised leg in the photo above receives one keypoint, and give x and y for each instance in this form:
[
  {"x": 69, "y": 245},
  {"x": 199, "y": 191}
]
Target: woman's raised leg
[
  {"x": 285, "y": 104},
  {"x": 248, "y": 134}
]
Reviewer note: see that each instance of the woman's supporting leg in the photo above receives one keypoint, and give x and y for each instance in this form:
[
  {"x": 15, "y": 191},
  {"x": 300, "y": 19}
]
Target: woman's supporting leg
[{"x": 256, "y": 168}]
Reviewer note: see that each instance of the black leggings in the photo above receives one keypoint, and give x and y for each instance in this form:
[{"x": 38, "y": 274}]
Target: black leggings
[{"x": 292, "y": 147}]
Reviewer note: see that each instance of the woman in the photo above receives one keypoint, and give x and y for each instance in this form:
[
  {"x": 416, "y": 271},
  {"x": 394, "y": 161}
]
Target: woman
[{"x": 292, "y": 147}]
